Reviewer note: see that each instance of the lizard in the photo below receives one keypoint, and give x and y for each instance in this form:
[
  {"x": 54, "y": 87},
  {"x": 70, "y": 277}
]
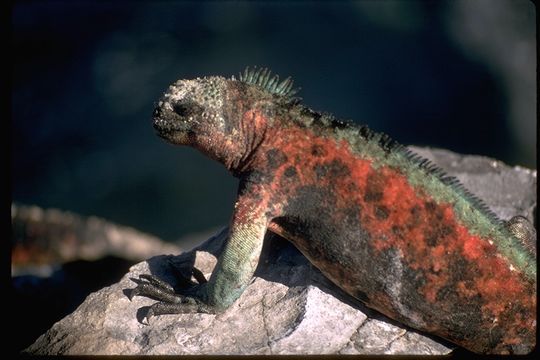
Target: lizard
[{"x": 388, "y": 227}]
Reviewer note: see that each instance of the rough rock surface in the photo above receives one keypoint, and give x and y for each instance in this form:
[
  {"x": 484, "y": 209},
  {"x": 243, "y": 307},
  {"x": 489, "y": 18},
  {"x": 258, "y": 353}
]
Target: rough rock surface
[
  {"x": 289, "y": 308},
  {"x": 58, "y": 258}
]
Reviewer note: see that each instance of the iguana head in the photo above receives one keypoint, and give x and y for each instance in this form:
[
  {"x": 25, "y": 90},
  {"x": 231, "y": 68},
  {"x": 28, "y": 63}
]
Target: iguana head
[
  {"x": 192, "y": 107},
  {"x": 223, "y": 118},
  {"x": 189, "y": 109}
]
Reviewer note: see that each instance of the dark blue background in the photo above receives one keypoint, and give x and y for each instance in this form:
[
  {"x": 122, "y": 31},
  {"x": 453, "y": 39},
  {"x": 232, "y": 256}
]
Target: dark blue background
[{"x": 86, "y": 76}]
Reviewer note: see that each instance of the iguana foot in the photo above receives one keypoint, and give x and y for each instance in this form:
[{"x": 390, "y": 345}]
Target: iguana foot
[
  {"x": 524, "y": 231},
  {"x": 186, "y": 298}
]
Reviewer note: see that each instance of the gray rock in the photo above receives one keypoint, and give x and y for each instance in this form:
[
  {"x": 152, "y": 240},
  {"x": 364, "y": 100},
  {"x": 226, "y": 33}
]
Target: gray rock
[
  {"x": 58, "y": 258},
  {"x": 43, "y": 239},
  {"x": 289, "y": 308}
]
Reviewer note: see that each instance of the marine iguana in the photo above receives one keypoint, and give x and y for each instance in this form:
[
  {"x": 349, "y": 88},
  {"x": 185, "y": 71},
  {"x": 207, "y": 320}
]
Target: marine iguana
[{"x": 385, "y": 225}]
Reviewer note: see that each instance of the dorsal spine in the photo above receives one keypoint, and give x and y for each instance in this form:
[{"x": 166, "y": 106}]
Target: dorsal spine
[{"x": 264, "y": 78}]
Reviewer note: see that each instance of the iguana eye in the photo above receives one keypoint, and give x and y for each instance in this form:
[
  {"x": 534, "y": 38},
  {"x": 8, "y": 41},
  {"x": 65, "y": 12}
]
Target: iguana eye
[
  {"x": 187, "y": 109},
  {"x": 181, "y": 109}
]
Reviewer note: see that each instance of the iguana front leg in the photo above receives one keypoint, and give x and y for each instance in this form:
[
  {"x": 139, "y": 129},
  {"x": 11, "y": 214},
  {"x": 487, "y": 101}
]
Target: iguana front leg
[
  {"x": 239, "y": 259},
  {"x": 231, "y": 275}
]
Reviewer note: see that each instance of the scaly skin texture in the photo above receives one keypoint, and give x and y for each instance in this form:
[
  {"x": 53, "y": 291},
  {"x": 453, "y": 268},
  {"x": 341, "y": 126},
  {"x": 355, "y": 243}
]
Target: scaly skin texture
[{"x": 385, "y": 226}]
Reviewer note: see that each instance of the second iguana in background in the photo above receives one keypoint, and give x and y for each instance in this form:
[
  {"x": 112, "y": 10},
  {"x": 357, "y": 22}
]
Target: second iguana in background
[{"x": 385, "y": 225}]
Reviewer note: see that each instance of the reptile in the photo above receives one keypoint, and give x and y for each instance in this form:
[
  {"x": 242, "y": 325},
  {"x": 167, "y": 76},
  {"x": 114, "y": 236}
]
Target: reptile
[{"x": 388, "y": 227}]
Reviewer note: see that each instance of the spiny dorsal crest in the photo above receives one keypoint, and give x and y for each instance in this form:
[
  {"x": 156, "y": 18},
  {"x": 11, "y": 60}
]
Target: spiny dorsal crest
[{"x": 264, "y": 78}]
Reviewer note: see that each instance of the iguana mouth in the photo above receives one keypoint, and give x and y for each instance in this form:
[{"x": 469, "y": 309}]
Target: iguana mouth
[{"x": 170, "y": 126}]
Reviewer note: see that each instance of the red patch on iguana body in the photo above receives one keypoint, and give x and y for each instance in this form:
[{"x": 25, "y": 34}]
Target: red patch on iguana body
[
  {"x": 427, "y": 235},
  {"x": 429, "y": 238}
]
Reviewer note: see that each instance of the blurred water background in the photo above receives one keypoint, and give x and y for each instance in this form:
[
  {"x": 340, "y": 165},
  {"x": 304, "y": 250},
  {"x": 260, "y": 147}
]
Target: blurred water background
[{"x": 451, "y": 74}]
